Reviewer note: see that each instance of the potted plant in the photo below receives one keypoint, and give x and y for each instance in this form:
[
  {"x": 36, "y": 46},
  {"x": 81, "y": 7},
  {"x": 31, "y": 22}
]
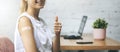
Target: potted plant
[{"x": 99, "y": 32}]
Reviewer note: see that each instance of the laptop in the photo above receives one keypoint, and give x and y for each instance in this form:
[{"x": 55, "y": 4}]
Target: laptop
[{"x": 80, "y": 30}]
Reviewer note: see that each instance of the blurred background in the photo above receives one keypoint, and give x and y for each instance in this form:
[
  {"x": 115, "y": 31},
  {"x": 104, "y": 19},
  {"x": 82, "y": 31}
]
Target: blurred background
[{"x": 70, "y": 13}]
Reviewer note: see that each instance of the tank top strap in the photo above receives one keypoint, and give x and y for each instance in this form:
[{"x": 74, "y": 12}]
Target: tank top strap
[
  {"x": 32, "y": 18},
  {"x": 27, "y": 15}
]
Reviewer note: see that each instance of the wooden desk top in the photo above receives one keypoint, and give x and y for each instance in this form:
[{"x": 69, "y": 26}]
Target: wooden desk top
[{"x": 108, "y": 44}]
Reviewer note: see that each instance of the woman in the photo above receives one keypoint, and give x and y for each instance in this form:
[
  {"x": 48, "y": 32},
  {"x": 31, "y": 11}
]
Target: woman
[{"x": 32, "y": 34}]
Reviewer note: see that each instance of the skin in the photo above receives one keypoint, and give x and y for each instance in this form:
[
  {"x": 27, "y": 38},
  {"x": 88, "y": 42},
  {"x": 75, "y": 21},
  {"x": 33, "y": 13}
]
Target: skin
[
  {"x": 27, "y": 35},
  {"x": 57, "y": 30}
]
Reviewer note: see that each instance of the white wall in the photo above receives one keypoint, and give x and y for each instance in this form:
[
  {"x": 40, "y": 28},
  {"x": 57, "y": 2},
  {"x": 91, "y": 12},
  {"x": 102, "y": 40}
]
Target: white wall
[
  {"x": 8, "y": 15},
  {"x": 70, "y": 13}
]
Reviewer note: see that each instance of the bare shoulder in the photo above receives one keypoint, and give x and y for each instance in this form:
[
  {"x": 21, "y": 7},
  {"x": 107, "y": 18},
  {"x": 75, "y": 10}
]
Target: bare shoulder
[{"x": 24, "y": 21}]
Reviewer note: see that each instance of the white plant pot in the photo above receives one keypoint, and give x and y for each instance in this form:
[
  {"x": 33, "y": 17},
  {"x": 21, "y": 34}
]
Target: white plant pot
[{"x": 99, "y": 34}]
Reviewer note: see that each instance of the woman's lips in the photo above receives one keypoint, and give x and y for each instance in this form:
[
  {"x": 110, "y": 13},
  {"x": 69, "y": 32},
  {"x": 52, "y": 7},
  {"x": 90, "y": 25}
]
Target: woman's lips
[{"x": 38, "y": 1}]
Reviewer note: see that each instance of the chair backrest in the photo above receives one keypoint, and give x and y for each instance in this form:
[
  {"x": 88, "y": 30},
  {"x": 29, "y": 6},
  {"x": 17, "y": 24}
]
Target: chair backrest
[{"x": 6, "y": 45}]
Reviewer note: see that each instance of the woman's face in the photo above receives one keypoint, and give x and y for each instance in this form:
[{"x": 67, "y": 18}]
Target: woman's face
[{"x": 38, "y": 4}]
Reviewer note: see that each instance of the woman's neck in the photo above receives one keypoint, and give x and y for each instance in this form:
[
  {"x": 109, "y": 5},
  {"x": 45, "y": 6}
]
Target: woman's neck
[{"x": 33, "y": 12}]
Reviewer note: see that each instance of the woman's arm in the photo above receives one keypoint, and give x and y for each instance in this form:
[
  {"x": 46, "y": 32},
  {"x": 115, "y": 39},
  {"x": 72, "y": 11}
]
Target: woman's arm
[
  {"x": 26, "y": 32},
  {"x": 56, "y": 40},
  {"x": 56, "y": 43}
]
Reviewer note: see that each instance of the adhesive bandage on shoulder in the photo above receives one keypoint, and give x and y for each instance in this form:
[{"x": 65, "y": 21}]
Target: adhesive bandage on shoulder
[{"x": 26, "y": 28}]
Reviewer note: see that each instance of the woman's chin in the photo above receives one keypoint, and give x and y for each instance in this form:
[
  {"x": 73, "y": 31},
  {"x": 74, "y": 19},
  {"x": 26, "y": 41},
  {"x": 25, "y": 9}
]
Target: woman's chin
[{"x": 40, "y": 7}]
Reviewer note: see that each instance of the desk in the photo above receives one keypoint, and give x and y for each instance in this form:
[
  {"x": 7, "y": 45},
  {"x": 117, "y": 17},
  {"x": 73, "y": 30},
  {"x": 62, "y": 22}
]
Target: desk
[{"x": 107, "y": 44}]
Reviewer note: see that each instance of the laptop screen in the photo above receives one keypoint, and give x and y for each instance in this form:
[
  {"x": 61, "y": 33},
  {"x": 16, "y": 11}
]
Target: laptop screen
[{"x": 82, "y": 25}]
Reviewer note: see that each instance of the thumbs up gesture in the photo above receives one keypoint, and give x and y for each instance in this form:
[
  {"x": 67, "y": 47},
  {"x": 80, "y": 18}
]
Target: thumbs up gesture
[{"x": 57, "y": 26}]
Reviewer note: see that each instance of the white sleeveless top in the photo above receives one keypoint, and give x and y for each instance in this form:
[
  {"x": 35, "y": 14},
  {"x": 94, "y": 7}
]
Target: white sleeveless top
[{"x": 42, "y": 34}]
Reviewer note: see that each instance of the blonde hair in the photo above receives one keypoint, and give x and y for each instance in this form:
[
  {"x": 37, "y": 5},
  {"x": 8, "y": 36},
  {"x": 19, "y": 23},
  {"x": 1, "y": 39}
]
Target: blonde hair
[{"x": 23, "y": 6}]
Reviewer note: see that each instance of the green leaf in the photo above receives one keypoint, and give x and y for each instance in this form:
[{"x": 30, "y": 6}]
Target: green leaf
[{"x": 100, "y": 23}]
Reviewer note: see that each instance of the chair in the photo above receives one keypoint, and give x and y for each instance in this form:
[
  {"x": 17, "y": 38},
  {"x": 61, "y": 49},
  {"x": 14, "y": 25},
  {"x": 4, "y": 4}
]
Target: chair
[{"x": 6, "y": 45}]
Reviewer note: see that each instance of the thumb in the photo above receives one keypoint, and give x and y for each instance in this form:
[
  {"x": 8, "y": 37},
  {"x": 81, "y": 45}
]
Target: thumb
[{"x": 56, "y": 19}]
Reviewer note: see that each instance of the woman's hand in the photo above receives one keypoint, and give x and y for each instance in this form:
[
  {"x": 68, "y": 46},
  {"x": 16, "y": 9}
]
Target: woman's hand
[
  {"x": 57, "y": 30},
  {"x": 57, "y": 27}
]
